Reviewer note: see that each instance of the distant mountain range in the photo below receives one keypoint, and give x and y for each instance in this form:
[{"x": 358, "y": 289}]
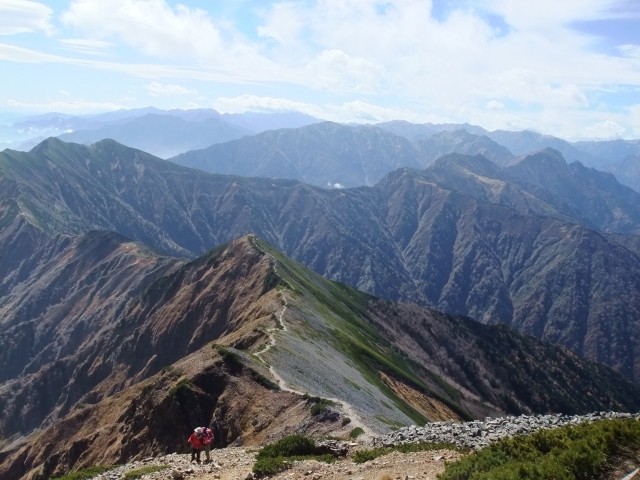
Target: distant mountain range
[
  {"x": 160, "y": 132},
  {"x": 162, "y": 135},
  {"x": 324, "y": 154},
  {"x": 525, "y": 244}
]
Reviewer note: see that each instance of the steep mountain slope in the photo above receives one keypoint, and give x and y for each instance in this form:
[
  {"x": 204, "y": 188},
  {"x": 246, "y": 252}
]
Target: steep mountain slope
[
  {"x": 322, "y": 154},
  {"x": 162, "y": 135},
  {"x": 408, "y": 238},
  {"x": 543, "y": 183},
  {"x": 460, "y": 141},
  {"x": 387, "y": 364},
  {"x": 524, "y": 142},
  {"x": 421, "y": 131},
  {"x": 260, "y": 122},
  {"x": 611, "y": 151},
  {"x": 627, "y": 171}
]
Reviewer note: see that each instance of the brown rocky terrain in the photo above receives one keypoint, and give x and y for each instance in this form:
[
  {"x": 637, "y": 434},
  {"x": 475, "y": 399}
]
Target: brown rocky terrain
[{"x": 147, "y": 371}]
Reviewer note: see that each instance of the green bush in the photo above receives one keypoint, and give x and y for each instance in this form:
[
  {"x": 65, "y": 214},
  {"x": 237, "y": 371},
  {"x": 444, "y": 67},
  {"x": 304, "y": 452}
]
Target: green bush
[
  {"x": 346, "y": 421},
  {"x": 86, "y": 473},
  {"x": 356, "y": 432},
  {"x": 279, "y": 456},
  {"x": 579, "y": 452},
  {"x": 270, "y": 466},
  {"x": 264, "y": 381},
  {"x": 134, "y": 474},
  {"x": 290, "y": 446},
  {"x": 373, "y": 453},
  {"x": 229, "y": 355},
  {"x": 182, "y": 386},
  {"x": 320, "y": 405}
]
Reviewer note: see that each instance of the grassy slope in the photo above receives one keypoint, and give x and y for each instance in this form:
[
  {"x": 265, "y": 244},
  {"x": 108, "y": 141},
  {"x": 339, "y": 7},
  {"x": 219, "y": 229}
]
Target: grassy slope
[{"x": 345, "y": 311}]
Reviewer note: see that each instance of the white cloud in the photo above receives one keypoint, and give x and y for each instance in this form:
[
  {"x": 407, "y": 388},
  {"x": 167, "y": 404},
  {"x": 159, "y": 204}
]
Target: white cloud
[
  {"x": 606, "y": 130},
  {"x": 354, "y": 111},
  {"x": 157, "y": 89},
  {"x": 21, "y": 16},
  {"x": 86, "y": 45},
  {"x": 495, "y": 105},
  {"x": 541, "y": 73}
]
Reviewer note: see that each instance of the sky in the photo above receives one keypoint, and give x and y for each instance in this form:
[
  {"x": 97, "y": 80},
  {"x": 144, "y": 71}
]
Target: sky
[{"x": 569, "y": 68}]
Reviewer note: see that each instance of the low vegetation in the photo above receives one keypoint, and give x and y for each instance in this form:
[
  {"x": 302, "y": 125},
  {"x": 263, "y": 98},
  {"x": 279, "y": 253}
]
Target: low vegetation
[
  {"x": 356, "y": 432},
  {"x": 280, "y": 456},
  {"x": 183, "y": 386},
  {"x": 86, "y": 473},
  {"x": 581, "y": 452},
  {"x": 135, "y": 474},
  {"x": 373, "y": 453}
]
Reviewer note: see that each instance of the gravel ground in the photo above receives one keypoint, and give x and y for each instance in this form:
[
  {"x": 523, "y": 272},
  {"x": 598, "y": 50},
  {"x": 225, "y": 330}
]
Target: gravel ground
[{"x": 236, "y": 464}]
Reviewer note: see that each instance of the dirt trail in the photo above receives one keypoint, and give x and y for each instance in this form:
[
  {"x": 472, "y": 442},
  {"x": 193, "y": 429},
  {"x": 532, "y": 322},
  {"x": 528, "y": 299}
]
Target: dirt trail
[
  {"x": 236, "y": 464},
  {"x": 348, "y": 409}
]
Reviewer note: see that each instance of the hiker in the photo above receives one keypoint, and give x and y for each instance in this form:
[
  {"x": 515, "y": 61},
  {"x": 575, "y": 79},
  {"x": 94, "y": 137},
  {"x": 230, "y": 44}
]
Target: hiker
[
  {"x": 207, "y": 439},
  {"x": 196, "y": 444}
]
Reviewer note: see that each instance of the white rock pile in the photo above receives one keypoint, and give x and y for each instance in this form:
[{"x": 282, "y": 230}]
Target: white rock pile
[{"x": 479, "y": 434}]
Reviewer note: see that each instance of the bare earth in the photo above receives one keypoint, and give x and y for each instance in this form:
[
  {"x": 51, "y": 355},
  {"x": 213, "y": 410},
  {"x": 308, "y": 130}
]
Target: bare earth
[{"x": 236, "y": 464}]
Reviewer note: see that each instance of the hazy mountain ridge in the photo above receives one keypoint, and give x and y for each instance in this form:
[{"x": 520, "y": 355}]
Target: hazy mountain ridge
[
  {"x": 324, "y": 154},
  {"x": 162, "y": 135},
  {"x": 407, "y": 238}
]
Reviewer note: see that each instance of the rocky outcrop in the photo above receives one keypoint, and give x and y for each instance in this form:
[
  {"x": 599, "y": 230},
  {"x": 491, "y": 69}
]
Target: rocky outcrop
[{"x": 478, "y": 434}]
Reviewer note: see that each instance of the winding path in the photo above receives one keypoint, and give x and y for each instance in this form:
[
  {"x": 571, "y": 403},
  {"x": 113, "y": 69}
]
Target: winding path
[{"x": 346, "y": 407}]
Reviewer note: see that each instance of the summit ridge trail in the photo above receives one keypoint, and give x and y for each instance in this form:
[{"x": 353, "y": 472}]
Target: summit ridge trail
[{"x": 348, "y": 409}]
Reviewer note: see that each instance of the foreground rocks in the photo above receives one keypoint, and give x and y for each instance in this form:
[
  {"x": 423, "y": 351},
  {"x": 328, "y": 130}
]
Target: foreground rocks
[
  {"x": 479, "y": 434},
  {"x": 236, "y": 464}
]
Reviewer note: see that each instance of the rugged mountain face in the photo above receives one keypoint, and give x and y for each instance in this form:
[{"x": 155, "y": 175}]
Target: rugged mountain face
[
  {"x": 544, "y": 184},
  {"x": 260, "y": 122},
  {"x": 162, "y": 135},
  {"x": 627, "y": 171},
  {"x": 460, "y": 141},
  {"x": 421, "y": 131},
  {"x": 525, "y": 142},
  {"x": 409, "y": 238},
  {"x": 324, "y": 154},
  {"x": 102, "y": 387}
]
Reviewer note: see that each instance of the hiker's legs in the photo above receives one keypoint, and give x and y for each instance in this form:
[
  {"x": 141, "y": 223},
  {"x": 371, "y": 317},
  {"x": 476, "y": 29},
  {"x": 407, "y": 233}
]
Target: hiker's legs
[
  {"x": 195, "y": 454},
  {"x": 207, "y": 448}
]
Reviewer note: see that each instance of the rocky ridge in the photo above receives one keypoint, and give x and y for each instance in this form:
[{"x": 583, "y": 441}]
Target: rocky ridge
[{"x": 478, "y": 434}]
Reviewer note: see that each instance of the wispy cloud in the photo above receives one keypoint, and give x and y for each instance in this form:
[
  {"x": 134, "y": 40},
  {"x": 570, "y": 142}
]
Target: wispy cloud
[
  {"x": 351, "y": 60},
  {"x": 157, "y": 89},
  {"x": 22, "y": 16},
  {"x": 86, "y": 45},
  {"x": 67, "y": 106}
]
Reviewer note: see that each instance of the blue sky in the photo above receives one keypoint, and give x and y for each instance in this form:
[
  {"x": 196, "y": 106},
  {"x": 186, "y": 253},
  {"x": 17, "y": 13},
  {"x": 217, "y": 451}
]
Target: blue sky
[{"x": 570, "y": 68}]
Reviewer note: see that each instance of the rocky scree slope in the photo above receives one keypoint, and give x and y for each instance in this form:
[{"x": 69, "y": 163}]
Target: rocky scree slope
[
  {"x": 139, "y": 381},
  {"x": 410, "y": 238},
  {"x": 478, "y": 434}
]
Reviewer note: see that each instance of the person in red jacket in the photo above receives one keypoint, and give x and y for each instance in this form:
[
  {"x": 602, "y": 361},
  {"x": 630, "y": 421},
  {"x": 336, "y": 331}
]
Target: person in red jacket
[
  {"x": 196, "y": 444},
  {"x": 207, "y": 438}
]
